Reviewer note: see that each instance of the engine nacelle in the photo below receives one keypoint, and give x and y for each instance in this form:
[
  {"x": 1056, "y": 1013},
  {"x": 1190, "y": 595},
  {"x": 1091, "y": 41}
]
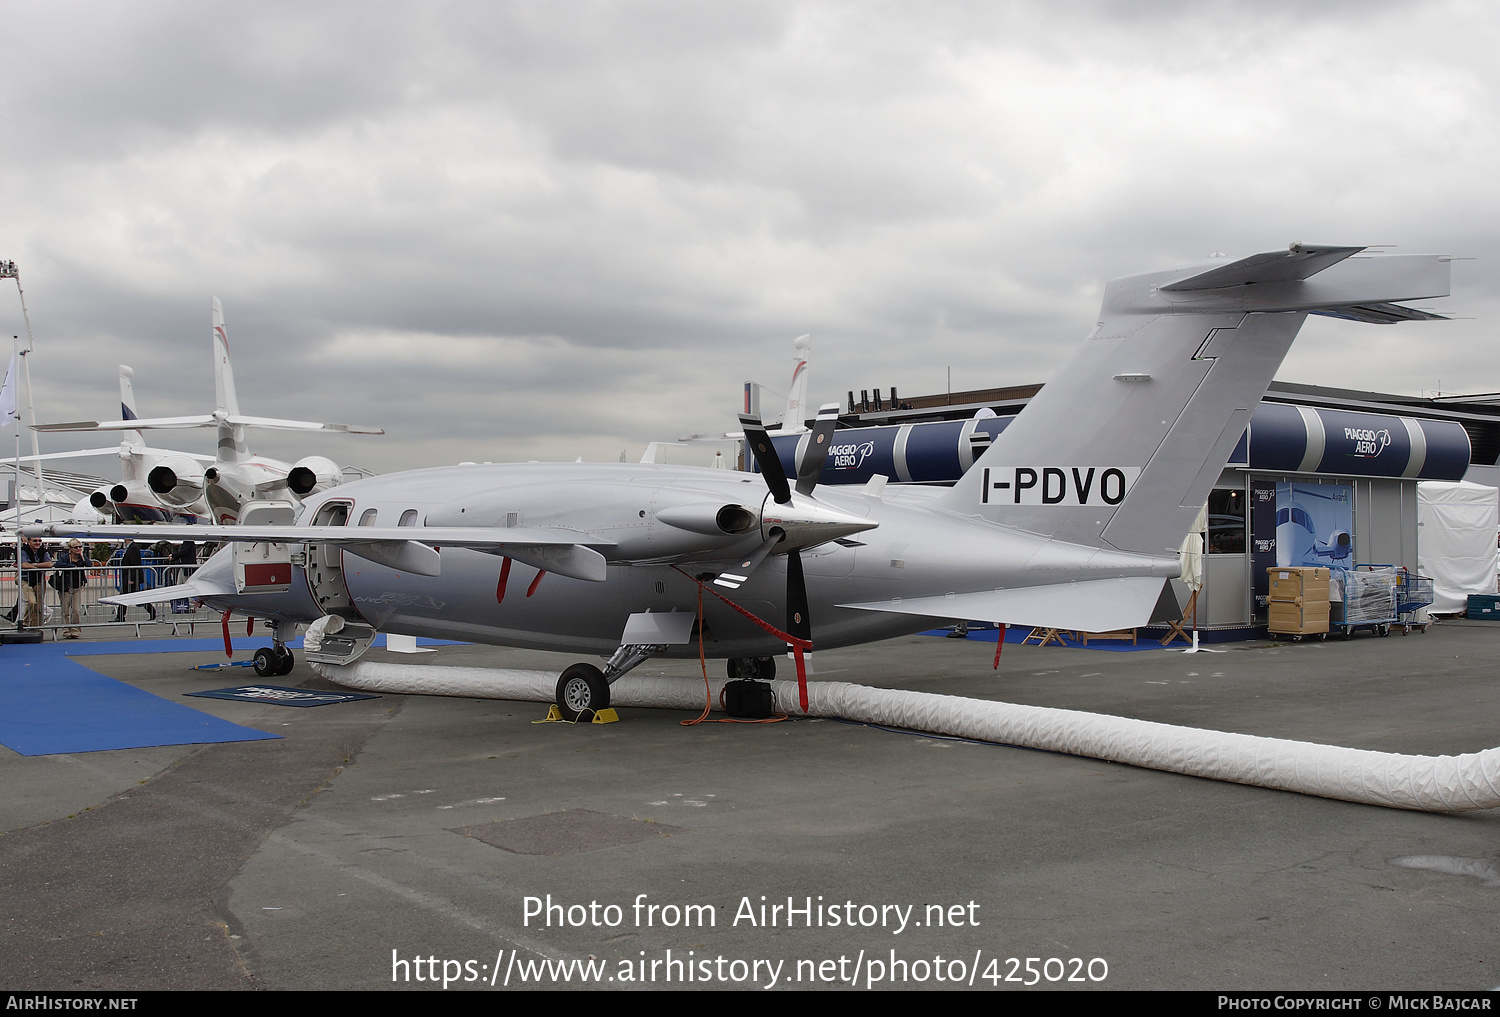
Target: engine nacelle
[
  {"x": 711, "y": 519},
  {"x": 103, "y": 499},
  {"x": 176, "y": 480},
  {"x": 313, "y": 474}
]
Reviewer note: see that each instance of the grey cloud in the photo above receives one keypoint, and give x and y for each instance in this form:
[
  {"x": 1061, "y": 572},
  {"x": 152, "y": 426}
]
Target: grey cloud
[{"x": 621, "y": 211}]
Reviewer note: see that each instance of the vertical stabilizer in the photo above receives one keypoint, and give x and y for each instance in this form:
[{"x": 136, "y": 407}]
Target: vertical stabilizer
[
  {"x": 224, "y": 397},
  {"x": 231, "y": 436},
  {"x": 1122, "y": 447},
  {"x": 795, "y": 418},
  {"x": 127, "y": 406}
]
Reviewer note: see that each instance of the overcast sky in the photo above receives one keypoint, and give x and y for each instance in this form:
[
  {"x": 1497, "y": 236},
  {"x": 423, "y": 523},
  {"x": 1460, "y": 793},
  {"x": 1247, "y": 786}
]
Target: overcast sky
[{"x": 511, "y": 231}]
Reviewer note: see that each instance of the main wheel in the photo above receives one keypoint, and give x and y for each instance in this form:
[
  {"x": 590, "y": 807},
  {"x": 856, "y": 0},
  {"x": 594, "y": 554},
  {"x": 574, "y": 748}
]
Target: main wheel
[
  {"x": 765, "y": 668},
  {"x": 581, "y": 689},
  {"x": 267, "y": 664},
  {"x": 739, "y": 668},
  {"x": 285, "y": 661}
]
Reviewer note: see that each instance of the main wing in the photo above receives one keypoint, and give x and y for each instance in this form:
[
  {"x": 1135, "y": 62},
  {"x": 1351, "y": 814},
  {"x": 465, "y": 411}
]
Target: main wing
[
  {"x": 1096, "y": 605},
  {"x": 571, "y": 553}
]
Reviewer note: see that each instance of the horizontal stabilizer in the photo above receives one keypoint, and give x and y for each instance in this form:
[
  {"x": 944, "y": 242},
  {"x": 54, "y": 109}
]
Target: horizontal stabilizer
[
  {"x": 302, "y": 425},
  {"x": 206, "y": 420},
  {"x": 200, "y": 420},
  {"x": 1300, "y": 261},
  {"x": 1380, "y": 314},
  {"x": 193, "y": 589},
  {"x": 1098, "y": 605},
  {"x": 114, "y": 450}
]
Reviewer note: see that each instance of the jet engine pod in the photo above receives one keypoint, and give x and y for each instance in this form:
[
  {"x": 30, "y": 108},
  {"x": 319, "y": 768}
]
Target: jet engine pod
[
  {"x": 177, "y": 480},
  {"x": 713, "y": 520},
  {"x": 313, "y": 474},
  {"x": 102, "y": 499}
]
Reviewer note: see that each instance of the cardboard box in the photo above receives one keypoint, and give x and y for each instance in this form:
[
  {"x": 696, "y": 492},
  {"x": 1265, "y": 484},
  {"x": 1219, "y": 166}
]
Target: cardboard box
[
  {"x": 1298, "y": 619},
  {"x": 1298, "y": 584}
]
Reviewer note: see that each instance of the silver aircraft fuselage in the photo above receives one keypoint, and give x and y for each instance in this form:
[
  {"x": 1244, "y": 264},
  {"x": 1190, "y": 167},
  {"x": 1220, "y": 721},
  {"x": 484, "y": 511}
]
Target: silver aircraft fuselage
[{"x": 915, "y": 550}]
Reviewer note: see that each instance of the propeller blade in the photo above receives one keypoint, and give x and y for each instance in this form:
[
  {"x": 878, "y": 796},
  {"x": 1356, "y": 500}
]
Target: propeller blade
[
  {"x": 766, "y": 458},
  {"x": 734, "y": 578},
  {"x": 798, "y": 621},
  {"x": 812, "y": 453}
]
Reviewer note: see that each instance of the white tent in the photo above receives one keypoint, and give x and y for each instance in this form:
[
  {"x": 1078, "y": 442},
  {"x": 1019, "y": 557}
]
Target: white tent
[{"x": 1457, "y": 524}]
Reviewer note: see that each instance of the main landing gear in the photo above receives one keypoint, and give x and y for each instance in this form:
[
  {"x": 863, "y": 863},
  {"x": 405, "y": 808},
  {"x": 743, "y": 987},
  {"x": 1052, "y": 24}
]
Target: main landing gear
[
  {"x": 756, "y": 668},
  {"x": 584, "y": 689},
  {"x": 274, "y": 660}
]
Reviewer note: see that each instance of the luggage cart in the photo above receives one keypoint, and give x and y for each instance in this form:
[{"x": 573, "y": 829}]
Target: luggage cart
[
  {"x": 1413, "y": 592},
  {"x": 1369, "y": 600}
]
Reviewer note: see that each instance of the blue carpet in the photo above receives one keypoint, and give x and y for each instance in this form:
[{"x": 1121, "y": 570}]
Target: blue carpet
[
  {"x": 49, "y": 705},
  {"x": 52, "y": 705}
]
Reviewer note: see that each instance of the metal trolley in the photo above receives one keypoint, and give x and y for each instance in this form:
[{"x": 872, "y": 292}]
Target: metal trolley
[
  {"x": 1379, "y": 597},
  {"x": 1368, "y": 600},
  {"x": 1413, "y": 592}
]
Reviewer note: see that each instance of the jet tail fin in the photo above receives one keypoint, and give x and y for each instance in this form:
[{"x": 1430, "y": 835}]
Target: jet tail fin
[
  {"x": 225, "y": 400},
  {"x": 127, "y": 405},
  {"x": 232, "y": 448},
  {"x": 1121, "y": 448},
  {"x": 794, "y": 420}
]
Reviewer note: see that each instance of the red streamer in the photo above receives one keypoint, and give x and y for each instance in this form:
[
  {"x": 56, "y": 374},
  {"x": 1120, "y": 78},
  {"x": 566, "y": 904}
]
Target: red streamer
[
  {"x": 798, "y": 645},
  {"x": 504, "y": 578}
]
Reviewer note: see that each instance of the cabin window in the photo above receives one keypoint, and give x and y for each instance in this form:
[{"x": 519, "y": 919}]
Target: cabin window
[
  {"x": 368, "y": 519},
  {"x": 408, "y": 518}
]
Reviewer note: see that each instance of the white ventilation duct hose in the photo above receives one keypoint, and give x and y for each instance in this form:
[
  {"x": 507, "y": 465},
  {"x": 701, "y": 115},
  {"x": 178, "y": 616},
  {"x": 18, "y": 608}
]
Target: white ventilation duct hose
[{"x": 1427, "y": 783}]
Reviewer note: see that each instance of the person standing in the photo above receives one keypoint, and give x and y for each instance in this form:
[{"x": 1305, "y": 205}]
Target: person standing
[
  {"x": 35, "y": 561},
  {"x": 70, "y": 578},
  {"x": 133, "y": 578}
]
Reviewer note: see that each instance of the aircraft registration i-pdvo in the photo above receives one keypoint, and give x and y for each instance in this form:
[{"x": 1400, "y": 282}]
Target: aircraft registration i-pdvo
[{"x": 1072, "y": 518}]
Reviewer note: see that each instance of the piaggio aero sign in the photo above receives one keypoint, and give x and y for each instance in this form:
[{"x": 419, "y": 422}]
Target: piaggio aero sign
[
  {"x": 1058, "y": 485},
  {"x": 849, "y": 456},
  {"x": 1368, "y": 443}
]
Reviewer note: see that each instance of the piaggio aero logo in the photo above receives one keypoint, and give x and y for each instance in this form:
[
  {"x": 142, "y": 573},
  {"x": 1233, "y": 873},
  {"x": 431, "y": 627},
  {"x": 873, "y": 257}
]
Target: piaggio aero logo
[
  {"x": 1367, "y": 443},
  {"x": 849, "y": 457}
]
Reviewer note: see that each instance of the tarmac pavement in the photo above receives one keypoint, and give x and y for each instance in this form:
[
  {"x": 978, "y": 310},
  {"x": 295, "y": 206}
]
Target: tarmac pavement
[{"x": 360, "y": 851}]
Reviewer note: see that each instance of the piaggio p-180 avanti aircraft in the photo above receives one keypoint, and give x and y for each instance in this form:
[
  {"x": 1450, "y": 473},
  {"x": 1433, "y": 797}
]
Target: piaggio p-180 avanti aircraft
[{"x": 1072, "y": 518}]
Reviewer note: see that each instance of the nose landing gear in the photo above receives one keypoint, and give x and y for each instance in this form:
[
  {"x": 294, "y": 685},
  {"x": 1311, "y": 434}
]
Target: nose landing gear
[{"x": 274, "y": 660}]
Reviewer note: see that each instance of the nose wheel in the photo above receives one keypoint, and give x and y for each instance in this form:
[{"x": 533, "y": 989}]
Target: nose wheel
[
  {"x": 273, "y": 661},
  {"x": 581, "y": 690}
]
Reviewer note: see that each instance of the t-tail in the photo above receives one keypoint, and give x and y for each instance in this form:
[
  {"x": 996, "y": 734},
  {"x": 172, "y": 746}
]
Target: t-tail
[
  {"x": 794, "y": 420},
  {"x": 127, "y": 406},
  {"x": 1122, "y": 447},
  {"x": 232, "y": 448}
]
